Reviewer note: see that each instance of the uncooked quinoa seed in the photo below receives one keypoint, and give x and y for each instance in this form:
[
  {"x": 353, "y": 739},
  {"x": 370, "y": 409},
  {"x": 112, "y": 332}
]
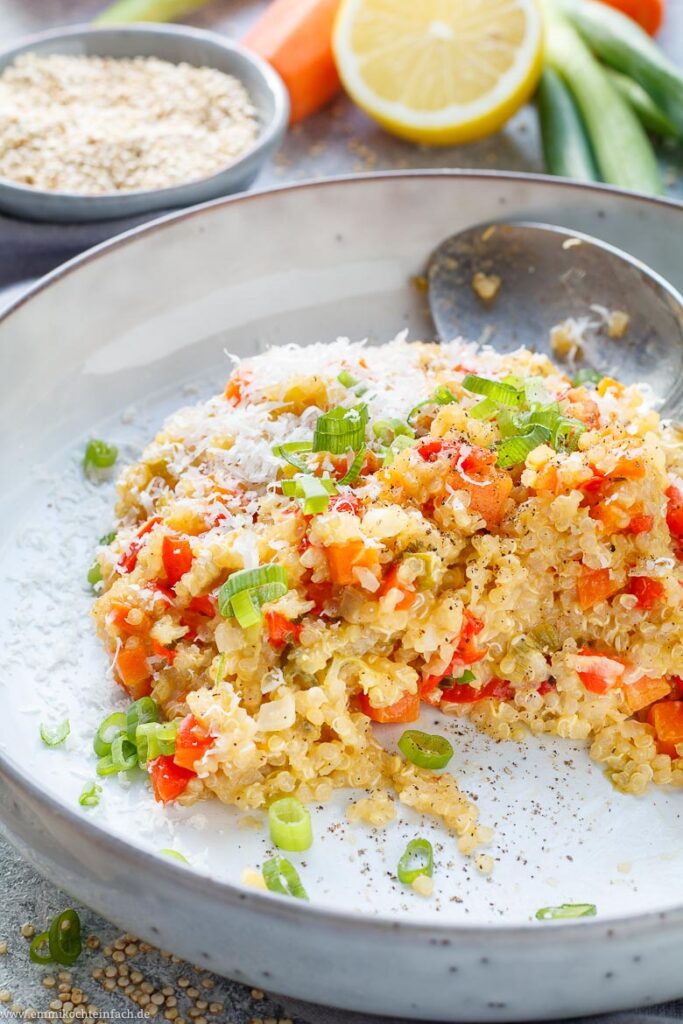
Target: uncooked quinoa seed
[{"x": 93, "y": 125}]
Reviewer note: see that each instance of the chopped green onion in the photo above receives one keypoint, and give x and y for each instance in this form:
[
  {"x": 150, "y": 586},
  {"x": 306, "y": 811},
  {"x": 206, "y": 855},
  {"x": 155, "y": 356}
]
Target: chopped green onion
[
  {"x": 52, "y": 738},
  {"x": 399, "y": 444},
  {"x": 64, "y": 937},
  {"x": 94, "y": 574},
  {"x": 467, "y": 677},
  {"x": 484, "y": 410},
  {"x": 567, "y": 433},
  {"x": 34, "y": 950},
  {"x": 245, "y": 591},
  {"x": 424, "y": 749},
  {"x": 315, "y": 492},
  {"x": 346, "y": 379},
  {"x": 535, "y": 391},
  {"x": 288, "y": 453},
  {"x": 340, "y": 429},
  {"x": 155, "y": 739},
  {"x": 566, "y": 911},
  {"x": 443, "y": 396},
  {"x": 139, "y": 713},
  {"x": 290, "y": 825},
  {"x": 503, "y": 394},
  {"x": 354, "y": 469},
  {"x": 110, "y": 728},
  {"x": 281, "y": 876},
  {"x": 123, "y": 757},
  {"x": 99, "y": 455},
  {"x": 417, "y": 859},
  {"x": 297, "y": 487},
  {"x": 515, "y": 449},
  {"x": 107, "y": 538},
  {"x": 388, "y": 430},
  {"x": 174, "y": 855},
  {"x": 587, "y": 376},
  {"x": 90, "y": 797}
]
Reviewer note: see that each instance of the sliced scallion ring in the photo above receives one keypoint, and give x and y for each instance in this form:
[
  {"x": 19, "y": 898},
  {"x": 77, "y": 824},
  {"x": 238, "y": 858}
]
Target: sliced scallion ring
[
  {"x": 355, "y": 467},
  {"x": 90, "y": 797},
  {"x": 94, "y": 574},
  {"x": 288, "y": 452},
  {"x": 290, "y": 825},
  {"x": 314, "y": 491},
  {"x": 424, "y": 749},
  {"x": 514, "y": 450},
  {"x": 174, "y": 855},
  {"x": 281, "y": 876},
  {"x": 99, "y": 455},
  {"x": 417, "y": 859},
  {"x": 53, "y": 737},
  {"x": 387, "y": 430},
  {"x": 399, "y": 444},
  {"x": 503, "y": 394},
  {"x": 122, "y": 757},
  {"x": 38, "y": 943},
  {"x": 346, "y": 379},
  {"x": 111, "y": 727},
  {"x": 139, "y": 713},
  {"x": 155, "y": 739},
  {"x": 340, "y": 429},
  {"x": 566, "y": 911},
  {"x": 245, "y": 591},
  {"x": 65, "y": 938},
  {"x": 484, "y": 410}
]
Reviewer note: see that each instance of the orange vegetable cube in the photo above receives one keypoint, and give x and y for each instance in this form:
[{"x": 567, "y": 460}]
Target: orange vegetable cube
[
  {"x": 667, "y": 720},
  {"x": 342, "y": 559},
  {"x": 595, "y": 585},
  {"x": 644, "y": 692}
]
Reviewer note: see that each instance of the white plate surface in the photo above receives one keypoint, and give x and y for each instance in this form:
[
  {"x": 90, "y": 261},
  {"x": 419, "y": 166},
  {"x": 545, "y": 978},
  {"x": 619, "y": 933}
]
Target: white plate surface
[{"x": 108, "y": 350}]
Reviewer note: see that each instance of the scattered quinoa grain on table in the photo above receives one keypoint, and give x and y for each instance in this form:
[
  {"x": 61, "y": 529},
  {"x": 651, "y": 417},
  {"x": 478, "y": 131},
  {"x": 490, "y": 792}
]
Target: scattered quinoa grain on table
[{"x": 93, "y": 125}]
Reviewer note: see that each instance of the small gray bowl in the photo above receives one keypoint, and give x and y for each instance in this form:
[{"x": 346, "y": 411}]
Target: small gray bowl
[{"x": 176, "y": 44}]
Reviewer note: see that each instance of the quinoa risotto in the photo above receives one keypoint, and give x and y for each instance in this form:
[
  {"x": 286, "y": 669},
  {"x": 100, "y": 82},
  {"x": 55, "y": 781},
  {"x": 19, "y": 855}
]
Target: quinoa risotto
[{"x": 347, "y": 532}]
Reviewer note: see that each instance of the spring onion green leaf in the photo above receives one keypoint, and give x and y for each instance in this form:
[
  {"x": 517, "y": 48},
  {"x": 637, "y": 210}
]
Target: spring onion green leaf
[
  {"x": 354, "y": 469},
  {"x": 340, "y": 429},
  {"x": 417, "y": 859},
  {"x": 111, "y": 727},
  {"x": 290, "y": 825},
  {"x": 35, "y": 950},
  {"x": 141, "y": 711},
  {"x": 288, "y": 453},
  {"x": 174, "y": 855},
  {"x": 64, "y": 936},
  {"x": 498, "y": 391},
  {"x": 155, "y": 739},
  {"x": 99, "y": 455},
  {"x": 245, "y": 591},
  {"x": 424, "y": 749},
  {"x": 484, "y": 410},
  {"x": 90, "y": 797},
  {"x": 53, "y": 737},
  {"x": 515, "y": 449},
  {"x": 566, "y": 911},
  {"x": 281, "y": 876}
]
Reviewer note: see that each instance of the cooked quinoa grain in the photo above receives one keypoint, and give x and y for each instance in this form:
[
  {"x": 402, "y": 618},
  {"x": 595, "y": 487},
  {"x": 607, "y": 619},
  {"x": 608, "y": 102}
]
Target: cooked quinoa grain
[
  {"x": 93, "y": 125},
  {"x": 535, "y": 593}
]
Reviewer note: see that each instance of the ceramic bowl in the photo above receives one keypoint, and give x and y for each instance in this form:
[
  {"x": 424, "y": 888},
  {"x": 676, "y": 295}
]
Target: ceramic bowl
[
  {"x": 172, "y": 43},
  {"x": 106, "y": 347}
]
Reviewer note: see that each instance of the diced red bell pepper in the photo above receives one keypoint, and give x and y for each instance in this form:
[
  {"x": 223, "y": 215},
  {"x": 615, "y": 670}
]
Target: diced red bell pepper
[
  {"x": 405, "y": 709},
  {"x": 641, "y": 524},
  {"x": 129, "y": 558},
  {"x": 547, "y": 686},
  {"x": 392, "y": 582},
  {"x": 281, "y": 630},
  {"x": 177, "y": 557},
  {"x": 674, "y": 510},
  {"x": 203, "y": 604},
  {"x": 169, "y": 780},
  {"x": 648, "y": 592},
  {"x": 466, "y": 653},
  {"x": 597, "y": 672},
  {"x": 463, "y": 693},
  {"x": 345, "y": 503},
  {"x": 164, "y": 652},
  {"x": 192, "y": 742}
]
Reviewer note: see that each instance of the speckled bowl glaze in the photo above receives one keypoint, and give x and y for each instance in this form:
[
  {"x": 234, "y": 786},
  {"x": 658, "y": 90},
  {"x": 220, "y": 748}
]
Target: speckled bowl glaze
[
  {"x": 168, "y": 42},
  {"x": 106, "y": 346}
]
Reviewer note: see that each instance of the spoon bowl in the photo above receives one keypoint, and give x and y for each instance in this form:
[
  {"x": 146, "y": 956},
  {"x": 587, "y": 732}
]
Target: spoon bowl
[{"x": 510, "y": 284}]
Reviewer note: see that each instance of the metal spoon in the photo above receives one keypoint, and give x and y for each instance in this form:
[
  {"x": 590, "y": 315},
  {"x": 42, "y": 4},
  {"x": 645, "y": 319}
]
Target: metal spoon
[{"x": 547, "y": 275}]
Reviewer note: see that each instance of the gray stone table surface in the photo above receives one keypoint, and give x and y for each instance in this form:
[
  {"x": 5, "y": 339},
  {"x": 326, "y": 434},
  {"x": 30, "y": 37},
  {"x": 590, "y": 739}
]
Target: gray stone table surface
[{"x": 116, "y": 975}]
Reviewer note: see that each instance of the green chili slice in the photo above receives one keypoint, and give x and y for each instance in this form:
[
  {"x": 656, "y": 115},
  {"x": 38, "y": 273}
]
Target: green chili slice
[
  {"x": 566, "y": 911},
  {"x": 64, "y": 937},
  {"x": 53, "y": 737},
  {"x": 281, "y": 876},
  {"x": 424, "y": 749},
  {"x": 37, "y": 944},
  {"x": 110, "y": 728},
  {"x": 290, "y": 825},
  {"x": 140, "y": 712},
  {"x": 90, "y": 797},
  {"x": 417, "y": 859},
  {"x": 99, "y": 455}
]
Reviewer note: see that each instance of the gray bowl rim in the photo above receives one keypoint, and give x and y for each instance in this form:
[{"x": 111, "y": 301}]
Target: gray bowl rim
[
  {"x": 268, "y": 905},
  {"x": 267, "y": 136}
]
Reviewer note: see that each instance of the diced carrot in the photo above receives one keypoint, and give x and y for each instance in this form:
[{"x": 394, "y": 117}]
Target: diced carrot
[
  {"x": 192, "y": 742},
  {"x": 392, "y": 582},
  {"x": 641, "y": 524},
  {"x": 595, "y": 585},
  {"x": 597, "y": 672},
  {"x": 237, "y": 382},
  {"x": 547, "y": 479},
  {"x": 473, "y": 469},
  {"x": 648, "y": 592},
  {"x": 667, "y": 720},
  {"x": 118, "y": 616},
  {"x": 169, "y": 780},
  {"x": 405, "y": 709},
  {"x": 295, "y": 36},
  {"x": 176, "y": 554},
  {"x": 281, "y": 630},
  {"x": 647, "y": 13},
  {"x": 132, "y": 670},
  {"x": 342, "y": 559},
  {"x": 644, "y": 692},
  {"x": 627, "y": 467}
]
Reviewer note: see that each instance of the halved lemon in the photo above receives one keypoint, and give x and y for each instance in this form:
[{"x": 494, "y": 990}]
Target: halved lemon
[{"x": 439, "y": 71}]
